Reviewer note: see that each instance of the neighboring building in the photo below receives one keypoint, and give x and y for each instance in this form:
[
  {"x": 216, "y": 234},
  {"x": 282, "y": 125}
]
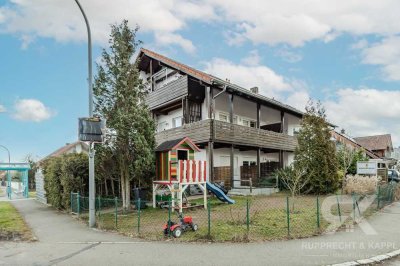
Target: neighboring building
[
  {"x": 76, "y": 147},
  {"x": 241, "y": 133},
  {"x": 343, "y": 139},
  {"x": 381, "y": 145}
]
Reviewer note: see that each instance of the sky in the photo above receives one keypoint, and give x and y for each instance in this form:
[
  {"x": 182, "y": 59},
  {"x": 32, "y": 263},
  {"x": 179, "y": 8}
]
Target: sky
[{"x": 345, "y": 53}]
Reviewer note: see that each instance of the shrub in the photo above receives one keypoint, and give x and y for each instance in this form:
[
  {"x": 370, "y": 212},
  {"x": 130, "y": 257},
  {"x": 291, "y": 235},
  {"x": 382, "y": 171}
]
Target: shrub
[
  {"x": 63, "y": 175},
  {"x": 362, "y": 185}
]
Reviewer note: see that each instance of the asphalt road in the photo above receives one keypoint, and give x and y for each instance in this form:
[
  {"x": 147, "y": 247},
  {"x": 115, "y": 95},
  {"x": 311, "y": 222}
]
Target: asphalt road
[{"x": 64, "y": 241}]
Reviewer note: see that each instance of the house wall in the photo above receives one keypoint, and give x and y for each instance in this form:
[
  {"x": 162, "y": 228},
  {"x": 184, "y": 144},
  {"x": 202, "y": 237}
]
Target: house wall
[
  {"x": 244, "y": 109},
  {"x": 168, "y": 119},
  {"x": 222, "y": 158}
]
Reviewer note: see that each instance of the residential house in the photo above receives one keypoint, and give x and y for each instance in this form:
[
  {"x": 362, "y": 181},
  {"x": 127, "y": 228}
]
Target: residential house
[
  {"x": 76, "y": 147},
  {"x": 241, "y": 133},
  {"x": 341, "y": 138},
  {"x": 381, "y": 145}
]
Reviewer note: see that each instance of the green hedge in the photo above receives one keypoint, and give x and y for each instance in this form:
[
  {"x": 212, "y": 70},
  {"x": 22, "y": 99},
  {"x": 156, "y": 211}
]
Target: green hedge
[{"x": 65, "y": 174}]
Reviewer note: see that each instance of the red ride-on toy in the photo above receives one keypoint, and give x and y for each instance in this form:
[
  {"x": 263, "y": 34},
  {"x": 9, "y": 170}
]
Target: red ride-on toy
[{"x": 185, "y": 224}]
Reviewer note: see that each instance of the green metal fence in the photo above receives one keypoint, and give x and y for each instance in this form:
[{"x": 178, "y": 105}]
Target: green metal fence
[{"x": 250, "y": 218}]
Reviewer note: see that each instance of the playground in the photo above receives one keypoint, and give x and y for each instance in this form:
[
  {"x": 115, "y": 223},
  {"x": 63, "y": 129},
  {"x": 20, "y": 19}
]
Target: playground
[{"x": 214, "y": 214}]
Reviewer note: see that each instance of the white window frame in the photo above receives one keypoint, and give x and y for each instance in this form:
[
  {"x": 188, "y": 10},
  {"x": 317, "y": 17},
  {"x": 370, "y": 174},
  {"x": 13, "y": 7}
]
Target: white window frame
[
  {"x": 159, "y": 126},
  {"x": 178, "y": 118}
]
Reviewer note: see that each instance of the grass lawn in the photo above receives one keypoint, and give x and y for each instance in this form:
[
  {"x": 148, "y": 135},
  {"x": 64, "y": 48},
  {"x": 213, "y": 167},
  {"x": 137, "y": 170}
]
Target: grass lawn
[
  {"x": 267, "y": 219},
  {"x": 12, "y": 225}
]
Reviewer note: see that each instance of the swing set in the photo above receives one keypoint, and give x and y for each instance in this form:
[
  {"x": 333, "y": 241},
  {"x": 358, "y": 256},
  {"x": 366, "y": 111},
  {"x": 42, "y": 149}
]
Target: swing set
[{"x": 19, "y": 172}]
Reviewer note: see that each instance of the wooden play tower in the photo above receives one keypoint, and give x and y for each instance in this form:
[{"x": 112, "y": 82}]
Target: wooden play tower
[{"x": 176, "y": 169}]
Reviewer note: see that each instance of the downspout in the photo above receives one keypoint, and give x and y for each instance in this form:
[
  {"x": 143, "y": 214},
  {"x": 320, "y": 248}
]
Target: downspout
[{"x": 213, "y": 100}]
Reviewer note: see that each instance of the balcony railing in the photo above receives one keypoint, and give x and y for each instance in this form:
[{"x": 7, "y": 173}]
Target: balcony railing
[
  {"x": 168, "y": 93},
  {"x": 225, "y": 132}
]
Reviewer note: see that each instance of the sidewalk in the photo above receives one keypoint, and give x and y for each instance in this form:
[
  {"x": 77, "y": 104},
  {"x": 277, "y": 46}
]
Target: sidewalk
[{"x": 64, "y": 241}]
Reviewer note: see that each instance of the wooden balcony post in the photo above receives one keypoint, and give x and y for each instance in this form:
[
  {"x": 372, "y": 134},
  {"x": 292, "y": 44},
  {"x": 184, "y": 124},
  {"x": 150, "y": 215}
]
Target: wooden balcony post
[
  {"x": 282, "y": 122},
  {"x": 151, "y": 74},
  {"x": 208, "y": 101},
  {"x": 231, "y": 108},
  {"x": 187, "y": 110},
  {"x": 258, "y": 164},
  {"x": 258, "y": 149},
  {"x": 232, "y": 163},
  {"x": 210, "y": 161}
]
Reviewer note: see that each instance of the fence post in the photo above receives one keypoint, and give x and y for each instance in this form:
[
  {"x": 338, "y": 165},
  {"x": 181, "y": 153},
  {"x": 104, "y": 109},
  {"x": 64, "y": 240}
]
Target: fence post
[
  {"x": 116, "y": 212},
  {"x": 379, "y": 196},
  {"x": 338, "y": 206},
  {"x": 169, "y": 217},
  {"x": 70, "y": 199},
  {"x": 139, "y": 206},
  {"x": 78, "y": 200},
  {"x": 209, "y": 218},
  {"x": 318, "y": 221},
  {"x": 247, "y": 214},
  {"x": 287, "y": 216}
]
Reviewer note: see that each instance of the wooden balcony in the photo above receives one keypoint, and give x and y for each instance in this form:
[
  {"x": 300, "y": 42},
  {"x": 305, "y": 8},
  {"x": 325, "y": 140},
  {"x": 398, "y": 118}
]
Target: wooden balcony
[
  {"x": 249, "y": 136},
  {"x": 224, "y": 132},
  {"x": 168, "y": 93}
]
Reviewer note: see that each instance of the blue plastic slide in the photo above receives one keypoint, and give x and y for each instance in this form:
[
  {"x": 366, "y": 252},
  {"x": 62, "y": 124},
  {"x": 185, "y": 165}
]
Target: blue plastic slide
[{"x": 218, "y": 192}]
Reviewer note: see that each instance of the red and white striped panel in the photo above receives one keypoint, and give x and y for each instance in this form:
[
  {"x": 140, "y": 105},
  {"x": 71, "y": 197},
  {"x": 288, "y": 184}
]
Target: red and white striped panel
[{"x": 192, "y": 171}]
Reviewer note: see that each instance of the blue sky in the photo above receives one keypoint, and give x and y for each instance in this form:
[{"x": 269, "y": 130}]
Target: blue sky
[{"x": 345, "y": 54}]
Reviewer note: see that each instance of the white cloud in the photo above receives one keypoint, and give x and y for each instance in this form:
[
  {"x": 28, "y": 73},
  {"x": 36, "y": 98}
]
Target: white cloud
[
  {"x": 386, "y": 54},
  {"x": 253, "y": 59},
  {"x": 62, "y": 20},
  {"x": 269, "y": 83},
  {"x": 288, "y": 55},
  {"x": 365, "y": 111},
  {"x": 2, "y": 108},
  {"x": 259, "y": 21},
  {"x": 165, "y": 39},
  {"x": 31, "y": 110},
  {"x": 297, "y": 22}
]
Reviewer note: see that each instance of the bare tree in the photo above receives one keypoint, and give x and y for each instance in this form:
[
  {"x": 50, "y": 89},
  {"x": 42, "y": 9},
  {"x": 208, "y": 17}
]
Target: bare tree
[
  {"x": 346, "y": 157},
  {"x": 294, "y": 179}
]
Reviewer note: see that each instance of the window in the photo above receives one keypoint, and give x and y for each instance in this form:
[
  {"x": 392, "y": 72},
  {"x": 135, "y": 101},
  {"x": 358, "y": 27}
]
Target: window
[
  {"x": 296, "y": 131},
  {"x": 162, "y": 126},
  {"x": 245, "y": 122},
  {"x": 177, "y": 121},
  {"x": 253, "y": 124},
  {"x": 182, "y": 154},
  {"x": 249, "y": 163}
]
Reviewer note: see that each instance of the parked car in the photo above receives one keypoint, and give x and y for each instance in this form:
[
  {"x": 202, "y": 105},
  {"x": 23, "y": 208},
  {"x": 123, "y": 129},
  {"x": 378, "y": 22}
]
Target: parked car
[{"x": 393, "y": 175}]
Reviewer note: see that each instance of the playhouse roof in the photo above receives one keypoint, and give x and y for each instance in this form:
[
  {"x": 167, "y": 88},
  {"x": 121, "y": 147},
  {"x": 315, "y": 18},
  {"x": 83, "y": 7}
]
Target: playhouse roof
[{"x": 173, "y": 144}]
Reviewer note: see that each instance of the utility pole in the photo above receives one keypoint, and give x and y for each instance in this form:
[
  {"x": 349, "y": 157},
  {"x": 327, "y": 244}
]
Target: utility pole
[{"x": 92, "y": 192}]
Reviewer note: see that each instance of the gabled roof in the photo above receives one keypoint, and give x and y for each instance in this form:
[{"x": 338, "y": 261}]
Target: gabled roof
[
  {"x": 370, "y": 153},
  {"x": 178, "y": 66},
  {"x": 376, "y": 142},
  {"x": 212, "y": 80},
  {"x": 174, "y": 144},
  {"x": 66, "y": 148}
]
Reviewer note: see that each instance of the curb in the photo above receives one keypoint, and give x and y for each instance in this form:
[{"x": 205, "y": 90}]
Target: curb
[{"x": 372, "y": 260}]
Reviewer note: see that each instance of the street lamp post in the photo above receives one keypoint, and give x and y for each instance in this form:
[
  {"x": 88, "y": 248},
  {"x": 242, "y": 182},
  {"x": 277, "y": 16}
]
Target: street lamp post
[
  {"x": 8, "y": 173},
  {"x": 92, "y": 217}
]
